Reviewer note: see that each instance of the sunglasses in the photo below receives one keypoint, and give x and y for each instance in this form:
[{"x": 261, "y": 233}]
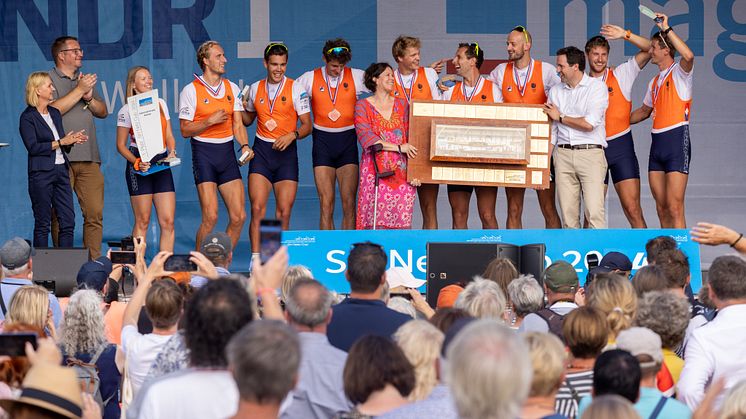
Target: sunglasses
[
  {"x": 522, "y": 30},
  {"x": 275, "y": 44},
  {"x": 476, "y": 48},
  {"x": 665, "y": 44},
  {"x": 337, "y": 50}
]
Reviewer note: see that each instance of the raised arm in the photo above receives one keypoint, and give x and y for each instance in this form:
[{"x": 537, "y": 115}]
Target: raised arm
[
  {"x": 616, "y": 32},
  {"x": 687, "y": 56}
]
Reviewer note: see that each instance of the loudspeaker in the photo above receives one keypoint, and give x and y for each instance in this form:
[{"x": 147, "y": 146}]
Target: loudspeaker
[
  {"x": 56, "y": 269},
  {"x": 458, "y": 263}
]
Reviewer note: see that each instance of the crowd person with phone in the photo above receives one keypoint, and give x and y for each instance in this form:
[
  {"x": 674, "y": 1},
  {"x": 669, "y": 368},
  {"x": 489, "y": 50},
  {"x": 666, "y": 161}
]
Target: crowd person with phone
[
  {"x": 156, "y": 188},
  {"x": 48, "y": 165}
]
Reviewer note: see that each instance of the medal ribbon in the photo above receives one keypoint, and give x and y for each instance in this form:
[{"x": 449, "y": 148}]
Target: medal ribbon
[
  {"x": 274, "y": 99},
  {"x": 411, "y": 85},
  {"x": 215, "y": 91},
  {"x": 329, "y": 86},
  {"x": 477, "y": 87},
  {"x": 522, "y": 89},
  {"x": 606, "y": 74},
  {"x": 657, "y": 86}
]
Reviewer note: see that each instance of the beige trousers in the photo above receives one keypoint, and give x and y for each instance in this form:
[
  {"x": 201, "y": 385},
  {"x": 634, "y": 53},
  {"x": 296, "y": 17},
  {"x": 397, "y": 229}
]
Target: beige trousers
[{"x": 580, "y": 173}]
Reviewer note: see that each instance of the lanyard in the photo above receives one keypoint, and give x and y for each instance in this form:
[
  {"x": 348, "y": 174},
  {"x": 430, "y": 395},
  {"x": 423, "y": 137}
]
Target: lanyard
[
  {"x": 522, "y": 88},
  {"x": 329, "y": 86},
  {"x": 477, "y": 87},
  {"x": 657, "y": 86},
  {"x": 411, "y": 85},
  {"x": 214, "y": 90},
  {"x": 274, "y": 99}
]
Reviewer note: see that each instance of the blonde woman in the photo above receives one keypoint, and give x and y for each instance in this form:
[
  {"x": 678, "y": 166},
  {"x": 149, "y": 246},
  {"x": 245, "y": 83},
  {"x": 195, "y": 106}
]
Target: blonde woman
[
  {"x": 548, "y": 363},
  {"x": 615, "y": 296},
  {"x": 610, "y": 407},
  {"x": 421, "y": 343},
  {"x": 154, "y": 189},
  {"x": 48, "y": 178},
  {"x": 30, "y": 305}
]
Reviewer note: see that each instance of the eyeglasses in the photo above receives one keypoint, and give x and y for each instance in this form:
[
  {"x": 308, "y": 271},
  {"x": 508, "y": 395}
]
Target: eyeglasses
[
  {"x": 73, "y": 50},
  {"x": 337, "y": 50},
  {"x": 275, "y": 44},
  {"x": 522, "y": 30}
]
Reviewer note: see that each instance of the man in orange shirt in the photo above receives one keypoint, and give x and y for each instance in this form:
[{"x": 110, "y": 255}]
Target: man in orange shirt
[
  {"x": 277, "y": 103},
  {"x": 210, "y": 114}
]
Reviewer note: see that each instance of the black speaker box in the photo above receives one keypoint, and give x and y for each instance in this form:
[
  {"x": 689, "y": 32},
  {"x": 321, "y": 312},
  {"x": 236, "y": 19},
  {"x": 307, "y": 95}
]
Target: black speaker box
[{"x": 56, "y": 269}]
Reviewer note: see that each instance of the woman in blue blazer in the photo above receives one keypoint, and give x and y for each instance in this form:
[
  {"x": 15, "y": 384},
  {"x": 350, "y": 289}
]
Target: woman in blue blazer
[{"x": 48, "y": 177}]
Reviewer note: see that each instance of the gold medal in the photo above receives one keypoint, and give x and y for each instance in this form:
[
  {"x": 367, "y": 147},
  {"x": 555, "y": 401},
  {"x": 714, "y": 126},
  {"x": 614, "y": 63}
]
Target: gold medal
[
  {"x": 334, "y": 115},
  {"x": 271, "y": 124}
]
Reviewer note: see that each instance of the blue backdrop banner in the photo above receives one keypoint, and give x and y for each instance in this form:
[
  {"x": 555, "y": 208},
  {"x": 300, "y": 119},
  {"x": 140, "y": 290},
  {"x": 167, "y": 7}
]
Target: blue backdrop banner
[{"x": 325, "y": 252}]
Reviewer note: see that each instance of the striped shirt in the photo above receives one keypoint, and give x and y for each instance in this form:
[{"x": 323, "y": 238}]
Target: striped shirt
[{"x": 575, "y": 386}]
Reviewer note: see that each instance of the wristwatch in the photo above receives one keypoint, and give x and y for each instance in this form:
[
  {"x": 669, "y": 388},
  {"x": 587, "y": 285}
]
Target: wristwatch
[
  {"x": 561, "y": 116},
  {"x": 666, "y": 31},
  {"x": 297, "y": 134}
]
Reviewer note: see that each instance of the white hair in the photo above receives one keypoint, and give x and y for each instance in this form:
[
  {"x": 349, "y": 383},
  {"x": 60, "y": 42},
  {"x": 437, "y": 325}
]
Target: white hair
[
  {"x": 402, "y": 305},
  {"x": 489, "y": 371},
  {"x": 526, "y": 295},
  {"x": 17, "y": 271},
  {"x": 483, "y": 299}
]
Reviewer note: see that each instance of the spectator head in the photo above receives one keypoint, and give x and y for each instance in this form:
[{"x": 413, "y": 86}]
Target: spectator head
[
  {"x": 15, "y": 256},
  {"x": 586, "y": 332},
  {"x": 94, "y": 274},
  {"x": 617, "y": 372},
  {"x": 48, "y": 391},
  {"x": 293, "y": 275},
  {"x": 610, "y": 406},
  {"x": 616, "y": 262},
  {"x": 373, "y": 363},
  {"x": 675, "y": 267},
  {"x": 212, "y": 316},
  {"x": 734, "y": 405},
  {"x": 403, "y": 306},
  {"x": 483, "y": 357},
  {"x": 645, "y": 345},
  {"x": 448, "y": 295},
  {"x": 656, "y": 245},
  {"x": 616, "y": 298},
  {"x": 560, "y": 281},
  {"x": 421, "y": 343},
  {"x": 218, "y": 249},
  {"x": 35, "y": 81},
  {"x": 366, "y": 267},
  {"x": 526, "y": 295},
  {"x": 649, "y": 278},
  {"x": 337, "y": 50},
  {"x": 401, "y": 44},
  {"x": 483, "y": 299},
  {"x": 548, "y": 360},
  {"x": 29, "y": 305},
  {"x": 164, "y": 303},
  {"x": 704, "y": 296},
  {"x": 264, "y": 357},
  {"x": 370, "y": 78},
  {"x": 82, "y": 327},
  {"x": 502, "y": 271},
  {"x": 400, "y": 278},
  {"x": 666, "y": 314},
  {"x": 14, "y": 370},
  {"x": 309, "y": 305},
  {"x": 444, "y": 318},
  {"x": 726, "y": 280}
]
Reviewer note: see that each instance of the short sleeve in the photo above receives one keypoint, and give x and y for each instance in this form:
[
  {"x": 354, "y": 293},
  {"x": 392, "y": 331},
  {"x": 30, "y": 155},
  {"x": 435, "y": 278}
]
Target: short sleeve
[
  {"x": 358, "y": 77},
  {"x": 187, "y": 102},
  {"x": 432, "y": 81},
  {"x": 306, "y": 82},
  {"x": 549, "y": 74},
  {"x": 300, "y": 100},
  {"x": 683, "y": 81},
  {"x": 626, "y": 73},
  {"x": 446, "y": 96},
  {"x": 648, "y": 101},
  {"x": 252, "y": 97},
  {"x": 164, "y": 107},
  {"x": 123, "y": 117},
  {"x": 496, "y": 77},
  {"x": 129, "y": 334},
  {"x": 237, "y": 105}
]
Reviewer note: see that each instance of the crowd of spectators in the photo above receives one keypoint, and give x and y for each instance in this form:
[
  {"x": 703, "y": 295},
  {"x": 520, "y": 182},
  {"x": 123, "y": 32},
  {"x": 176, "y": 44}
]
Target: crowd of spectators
[{"x": 279, "y": 344}]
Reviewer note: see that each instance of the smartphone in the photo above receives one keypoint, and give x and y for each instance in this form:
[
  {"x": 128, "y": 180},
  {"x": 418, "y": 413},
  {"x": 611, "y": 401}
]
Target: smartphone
[
  {"x": 14, "y": 344},
  {"x": 128, "y": 243},
  {"x": 179, "y": 263},
  {"x": 270, "y": 238},
  {"x": 123, "y": 257}
]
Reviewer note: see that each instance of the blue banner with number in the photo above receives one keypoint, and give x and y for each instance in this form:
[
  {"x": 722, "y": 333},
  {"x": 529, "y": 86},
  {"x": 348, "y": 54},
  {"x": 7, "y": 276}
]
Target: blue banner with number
[{"x": 325, "y": 252}]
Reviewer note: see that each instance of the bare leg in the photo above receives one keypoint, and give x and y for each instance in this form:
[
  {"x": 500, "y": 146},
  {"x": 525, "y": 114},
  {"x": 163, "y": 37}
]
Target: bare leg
[
  {"x": 657, "y": 181},
  {"x": 165, "y": 208},
  {"x": 629, "y": 195},
  {"x": 347, "y": 178},
  {"x": 235, "y": 203},
  {"x": 428, "y": 196},
  {"x": 486, "y": 198},
  {"x": 515, "y": 207},
  {"x": 675, "y": 193},
  {"x": 459, "y": 208},
  {"x": 259, "y": 189},
  {"x": 325, "y": 177},
  {"x": 208, "y": 202},
  {"x": 285, "y": 192}
]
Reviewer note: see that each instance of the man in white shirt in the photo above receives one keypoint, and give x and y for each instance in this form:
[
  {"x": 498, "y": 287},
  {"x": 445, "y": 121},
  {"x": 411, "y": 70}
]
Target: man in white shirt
[
  {"x": 578, "y": 106},
  {"x": 718, "y": 349}
]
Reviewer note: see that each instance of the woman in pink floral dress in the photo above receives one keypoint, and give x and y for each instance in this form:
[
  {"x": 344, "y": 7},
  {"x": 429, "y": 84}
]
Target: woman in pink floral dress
[{"x": 384, "y": 119}]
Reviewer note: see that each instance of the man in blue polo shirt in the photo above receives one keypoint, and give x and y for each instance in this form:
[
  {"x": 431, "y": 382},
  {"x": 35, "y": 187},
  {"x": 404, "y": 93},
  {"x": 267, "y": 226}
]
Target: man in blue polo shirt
[
  {"x": 363, "y": 312},
  {"x": 15, "y": 256}
]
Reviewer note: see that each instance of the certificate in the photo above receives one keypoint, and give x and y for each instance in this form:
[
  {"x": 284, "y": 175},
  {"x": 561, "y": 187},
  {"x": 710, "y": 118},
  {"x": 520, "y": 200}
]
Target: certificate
[{"x": 145, "y": 115}]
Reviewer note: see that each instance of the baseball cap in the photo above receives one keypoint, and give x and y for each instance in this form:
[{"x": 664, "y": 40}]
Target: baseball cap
[
  {"x": 401, "y": 277},
  {"x": 615, "y": 261},
  {"x": 641, "y": 341},
  {"x": 561, "y": 277},
  {"x": 94, "y": 274},
  {"x": 216, "y": 244},
  {"x": 448, "y": 295},
  {"x": 15, "y": 253}
]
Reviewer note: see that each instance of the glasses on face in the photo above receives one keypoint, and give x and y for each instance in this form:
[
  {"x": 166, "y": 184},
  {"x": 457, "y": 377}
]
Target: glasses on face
[
  {"x": 275, "y": 44},
  {"x": 522, "y": 30},
  {"x": 337, "y": 50},
  {"x": 73, "y": 50}
]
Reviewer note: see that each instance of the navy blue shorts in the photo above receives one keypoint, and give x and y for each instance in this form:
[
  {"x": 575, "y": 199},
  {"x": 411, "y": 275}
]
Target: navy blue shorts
[
  {"x": 622, "y": 160},
  {"x": 273, "y": 164},
  {"x": 158, "y": 182},
  {"x": 671, "y": 151},
  {"x": 215, "y": 163},
  {"x": 334, "y": 149}
]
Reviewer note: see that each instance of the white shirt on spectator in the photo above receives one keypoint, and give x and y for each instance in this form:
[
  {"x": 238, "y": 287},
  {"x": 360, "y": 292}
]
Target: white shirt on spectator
[
  {"x": 140, "y": 351},
  {"x": 588, "y": 100},
  {"x": 190, "y": 394}
]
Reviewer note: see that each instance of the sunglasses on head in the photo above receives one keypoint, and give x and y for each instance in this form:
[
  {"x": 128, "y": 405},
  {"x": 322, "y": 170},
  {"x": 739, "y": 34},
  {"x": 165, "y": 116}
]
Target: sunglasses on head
[
  {"x": 275, "y": 44},
  {"x": 665, "y": 44},
  {"x": 475, "y": 45},
  {"x": 337, "y": 50},
  {"x": 522, "y": 30}
]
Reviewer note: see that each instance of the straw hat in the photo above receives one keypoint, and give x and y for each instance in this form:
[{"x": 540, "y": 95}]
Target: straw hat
[{"x": 50, "y": 387}]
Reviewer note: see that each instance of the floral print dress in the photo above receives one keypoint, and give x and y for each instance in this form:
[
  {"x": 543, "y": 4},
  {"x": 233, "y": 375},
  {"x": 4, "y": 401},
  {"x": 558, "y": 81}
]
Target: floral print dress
[{"x": 395, "y": 194}]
